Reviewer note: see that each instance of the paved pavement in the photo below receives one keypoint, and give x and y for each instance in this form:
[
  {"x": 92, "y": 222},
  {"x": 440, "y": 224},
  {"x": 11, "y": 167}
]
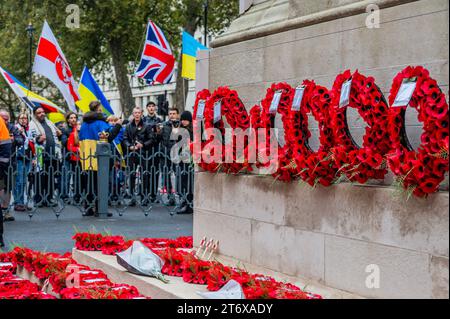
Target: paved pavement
[{"x": 44, "y": 232}]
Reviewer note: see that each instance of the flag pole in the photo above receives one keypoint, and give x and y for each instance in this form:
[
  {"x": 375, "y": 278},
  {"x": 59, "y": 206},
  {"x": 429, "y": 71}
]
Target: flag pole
[
  {"x": 184, "y": 94},
  {"x": 30, "y": 30},
  {"x": 206, "y": 5}
]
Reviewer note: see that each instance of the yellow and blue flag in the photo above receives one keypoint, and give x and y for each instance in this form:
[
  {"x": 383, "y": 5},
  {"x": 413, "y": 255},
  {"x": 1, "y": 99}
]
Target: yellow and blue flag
[
  {"x": 189, "y": 52},
  {"x": 31, "y": 99},
  {"x": 90, "y": 91}
]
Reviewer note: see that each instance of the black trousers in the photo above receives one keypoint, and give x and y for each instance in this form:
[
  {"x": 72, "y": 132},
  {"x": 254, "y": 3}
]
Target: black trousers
[
  {"x": 48, "y": 179},
  {"x": 185, "y": 176},
  {"x": 150, "y": 176},
  {"x": 149, "y": 170},
  {"x": 71, "y": 176}
]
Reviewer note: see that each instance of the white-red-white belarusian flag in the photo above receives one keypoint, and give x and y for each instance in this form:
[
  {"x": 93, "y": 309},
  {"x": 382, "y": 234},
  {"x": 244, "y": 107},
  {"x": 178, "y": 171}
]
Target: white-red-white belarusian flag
[{"x": 51, "y": 63}]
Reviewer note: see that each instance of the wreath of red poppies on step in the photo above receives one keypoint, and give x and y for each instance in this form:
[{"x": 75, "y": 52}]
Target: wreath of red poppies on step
[
  {"x": 232, "y": 108},
  {"x": 198, "y": 146},
  {"x": 360, "y": 164},
  {"x": 314, "y": 167},
  {"x": 422, "y": 171},
  {"x": 284, "y": 167}
]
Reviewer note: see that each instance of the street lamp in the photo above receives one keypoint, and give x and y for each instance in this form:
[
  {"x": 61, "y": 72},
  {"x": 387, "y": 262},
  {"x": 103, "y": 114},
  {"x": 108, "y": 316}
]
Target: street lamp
[
  {"x": 205, "y": 6},
  {"x": 30, "y": 31}
]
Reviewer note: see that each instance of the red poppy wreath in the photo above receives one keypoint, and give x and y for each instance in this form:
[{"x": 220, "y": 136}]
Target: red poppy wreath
[
  {"x": 282, "y": 166},
  {"x": 203, "y": 155},
  {"x": 225, "y": 103},
  {"x": 314, "y": 167},
  {"x": 357, "y": 91},
  {"x": 419, "y": 172}
]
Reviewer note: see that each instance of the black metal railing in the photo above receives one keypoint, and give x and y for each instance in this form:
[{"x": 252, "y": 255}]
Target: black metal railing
[{"x": 108, "y": 181}]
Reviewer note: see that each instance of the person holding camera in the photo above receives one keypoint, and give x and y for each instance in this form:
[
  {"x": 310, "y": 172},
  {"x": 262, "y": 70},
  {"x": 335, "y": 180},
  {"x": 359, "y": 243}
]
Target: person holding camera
[
  {"x": 139, "y": 140},
  {"x": 152, "y": 119}
]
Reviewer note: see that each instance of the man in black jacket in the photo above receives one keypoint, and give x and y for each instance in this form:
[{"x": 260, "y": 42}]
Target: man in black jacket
[
  {"x": 152, "y": 119},
  {"x": 156, "y": 124},
  {"x": 168, "y": 140},
  {"x": 139, "y": 140}
]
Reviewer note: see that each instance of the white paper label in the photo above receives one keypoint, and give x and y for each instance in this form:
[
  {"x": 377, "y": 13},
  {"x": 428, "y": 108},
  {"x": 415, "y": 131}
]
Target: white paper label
[
  {"x": 405, "y": 92},
  {"x": 298, "y": 98},
  {"x": 345, "y": 93},
  {"x": 217, "y": 111},
  {"x": 201, "y": 110},
  {"x": 6, "y": 265},
  {"x": 91, "y": 281},
  {"x": 275, "y": 102},
  {"x": 88, "y": 272}
]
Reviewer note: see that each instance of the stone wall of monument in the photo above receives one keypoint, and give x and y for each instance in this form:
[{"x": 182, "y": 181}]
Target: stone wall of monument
[
  {"x": 332, "y": 235},
  {"x": 323, "y": 38},
  {"x": 329, "y": 235}
]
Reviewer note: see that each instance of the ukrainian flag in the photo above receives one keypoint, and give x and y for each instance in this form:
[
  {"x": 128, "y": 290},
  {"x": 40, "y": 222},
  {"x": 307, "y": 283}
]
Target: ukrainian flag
[
  {"x": 90, "y": 91},
  {"x": 189, "y": 52}
]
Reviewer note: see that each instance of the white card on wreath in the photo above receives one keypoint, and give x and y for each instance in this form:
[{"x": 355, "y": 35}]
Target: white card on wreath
[
  {"x": 405, "y": 93},
  {"x": 275, "y": 102},
  {"x": 217, "y": 111},
  {"x": 298, "y": 98},
  {"x": 345, "y": 93},
  {"x": 201, "y": 110}
]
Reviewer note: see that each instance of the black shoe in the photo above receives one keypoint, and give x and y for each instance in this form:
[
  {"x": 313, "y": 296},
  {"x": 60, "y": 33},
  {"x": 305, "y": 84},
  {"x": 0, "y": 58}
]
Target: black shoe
[
  {"x": 2, "y": 243},
  {"x": 89, "y": 213},
  {"x": 8, "y": 217},
  {"x": 185, "y": 210}
]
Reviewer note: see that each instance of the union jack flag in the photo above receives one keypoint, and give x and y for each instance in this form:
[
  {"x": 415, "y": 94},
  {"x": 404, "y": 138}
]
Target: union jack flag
[{"x": 157, "y": 61}]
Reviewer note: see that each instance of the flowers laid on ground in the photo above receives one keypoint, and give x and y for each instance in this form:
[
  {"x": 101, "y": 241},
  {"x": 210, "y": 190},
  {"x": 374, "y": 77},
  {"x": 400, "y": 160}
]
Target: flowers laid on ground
[
  {"x": 180, "y": 262},
  {"x": 110, "y": 245},
  {"x": 173, "y": 261},
  {"x": 67, "y": 279},
  {"x": 385, "y": 143},
  {"x": 13, "y": 287}
]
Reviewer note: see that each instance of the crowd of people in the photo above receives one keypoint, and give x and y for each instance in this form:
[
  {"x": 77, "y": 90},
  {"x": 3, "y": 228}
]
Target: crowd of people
[{"x": 63, "y": 155}]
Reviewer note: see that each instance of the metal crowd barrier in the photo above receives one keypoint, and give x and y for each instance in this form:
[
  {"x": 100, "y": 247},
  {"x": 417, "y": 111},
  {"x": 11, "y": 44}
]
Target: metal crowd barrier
[{"x": 138, "y": 179}]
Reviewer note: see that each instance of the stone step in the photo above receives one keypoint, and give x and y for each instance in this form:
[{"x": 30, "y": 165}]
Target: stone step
[
  {"x": 303, "y": 283},
  {"x": 149, "y": 287},
  {"x": 178, "y": 289}
]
